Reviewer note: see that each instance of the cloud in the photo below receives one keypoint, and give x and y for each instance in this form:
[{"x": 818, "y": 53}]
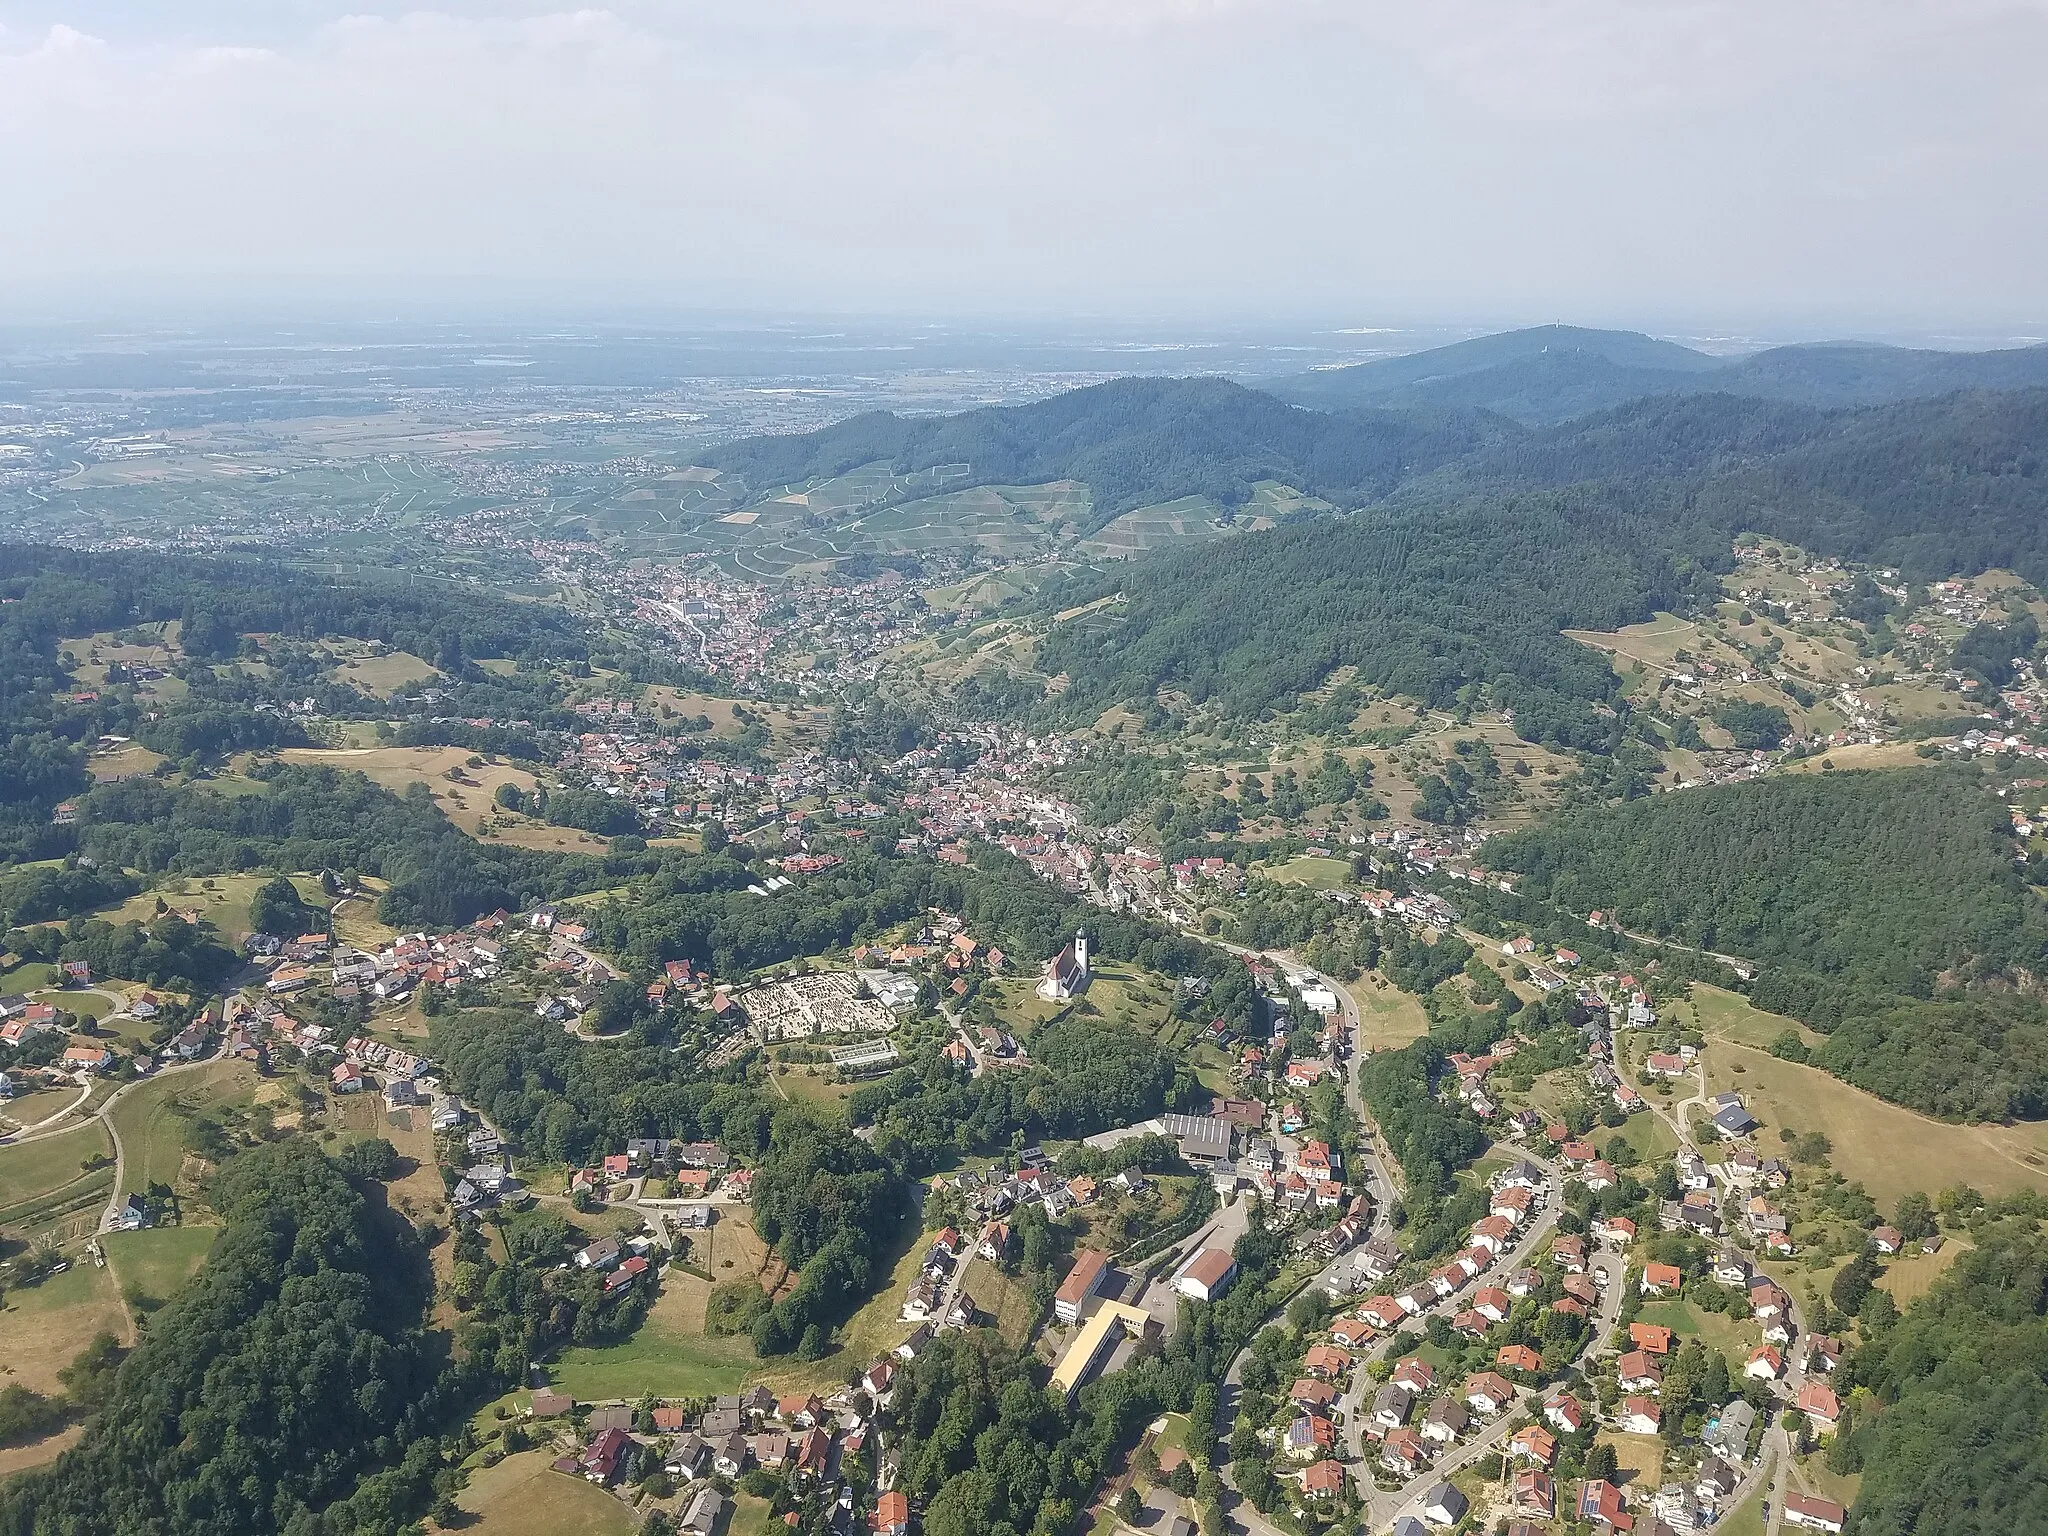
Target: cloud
[{"x": 1565, "y": 157}]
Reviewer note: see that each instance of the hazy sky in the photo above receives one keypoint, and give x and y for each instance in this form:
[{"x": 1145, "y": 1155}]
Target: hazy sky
[{"x": 1592, "y": 160}]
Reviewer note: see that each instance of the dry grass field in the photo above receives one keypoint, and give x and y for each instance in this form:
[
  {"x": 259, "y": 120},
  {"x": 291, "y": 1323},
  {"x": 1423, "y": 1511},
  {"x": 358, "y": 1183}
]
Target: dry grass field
[
  {"x": 1889, "y": 1149},
  {"x": 1388, "y": 1018},
  {"x": 521, "y": 1496},
  {"x": 466, "y": 801},
  {"x": 43, "y": 1327}
]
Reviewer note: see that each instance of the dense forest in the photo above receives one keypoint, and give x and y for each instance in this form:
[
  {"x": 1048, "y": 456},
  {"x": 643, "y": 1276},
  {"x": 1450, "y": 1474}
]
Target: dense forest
[
  {"x": 1949, "y": 1420},
  {"x": 1436, "y": 600},
  {"x": 259, "y": 1397},
  {"x": 1136, "y": 441},
  {"x": 1861, "y": 895},
  {"x": 1462, "y": 580}
]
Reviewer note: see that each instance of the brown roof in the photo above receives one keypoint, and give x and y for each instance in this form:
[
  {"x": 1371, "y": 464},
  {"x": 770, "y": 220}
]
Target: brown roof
[
  {"x": 1089, "y": 1264},
  {"x": 1210, "y": 1266}
]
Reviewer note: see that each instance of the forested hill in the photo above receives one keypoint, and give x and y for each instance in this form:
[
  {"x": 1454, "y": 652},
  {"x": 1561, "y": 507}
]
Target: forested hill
[
  {"x": 1135, "y": 441},
  {"x": 1862, "y": 895},
  {"x": 1551, "y": 374},
  {"x": 1433, "y": 599},
  {"x": 1464, "y": 580}
]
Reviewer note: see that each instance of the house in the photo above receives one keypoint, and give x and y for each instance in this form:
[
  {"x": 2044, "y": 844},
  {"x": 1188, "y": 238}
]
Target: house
[
  {"x": 1384, "y": 1312},
  {"x": 1822, "y": 1408},
  {"x": 1492, "y": 1303},
  {"x": 1519, "y": 1357},
  {"x": 1534, "y": 1494},
  {"x": 1823, "y": 1354},
  {"x": 87, "y": 1058},
  {"x": 1661, "y": 1279},
  {"x": 892, "y": 1514},
  {"x": 1307, "y": 1392},
  {"x": 1534, "y": 1443},
  {"x": 1445, "y": 1421},
  {"x": 1489, "y": 1393},
  {"x": 602, "y": 1254},
  {"x": 1569, "y": 1254},
  {"x": 133, "y": 1214},
  {"x": 609, "y": 1458},
  {"x": 1443, "y": 1505},
  {"x": 1615, "y": 1231},
  {"x": 1600, "y": 1504},
  {"x": 1650, "y": 1338},
  {"x": 1728, "y": 1435},
  {"x": 813, "y": 1454},
  {"x": 1091, "y": 1268},
  {"x": 1565, "y": 1413},
  {"x": 1324, "y": 1480},
  {"x": 1402, "y": 1452},
  {"x": 800, "y": 1411},
  {"x": 1208, "y": 1276},
  {"x": 1413, "y": 1374},
  {"x": 730, "y": 1459},
  {"x": 706, "y": 1510},
  {"x": 1814, "y": 1514},
  {"x": 1886, "y": 1239},
  {"x": 1731, "y": 1268},
  {"x": 1308, "y": 1437},
  {"x": 689, "y": 1458},
  {"x": 1639, "y": 1416},
  {"x": 771, "y": 1450},
  {"x": 1638, "y": 1372},
  {"x": 1765, "y": 1364},
  {"x": 1391, "y": 1406},
  {"x": 1715, "y": 1480},
  {"x": 1326, "y": 1361}
]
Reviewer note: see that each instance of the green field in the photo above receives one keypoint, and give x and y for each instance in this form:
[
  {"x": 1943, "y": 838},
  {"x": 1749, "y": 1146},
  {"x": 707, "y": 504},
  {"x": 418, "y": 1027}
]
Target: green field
[
  {"x": 1714, "y": 1329},
  {"x": 664, "y": 1357},
  {"x": 152, "y": 1117},
  {"x": 45, "y": 1175},
  {"x": 156, "y": 1262}
]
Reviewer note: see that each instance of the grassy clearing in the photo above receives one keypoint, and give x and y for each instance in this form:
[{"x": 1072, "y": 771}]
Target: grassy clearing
[
  {"x": 382, "y": 676},
  {"x": 152, "y": 1118},
  {"x": 1388, "y": 1018},
  {"x": 38, "y": 1453},
  {"x": 1729, "y": 1016},
  {"x": 1909, "y": 1275},
  {"x": 1869, "y": 1135},
  {"x": 520, "y": 1496},
  {"x": 1651, "y": 1138},
  {"x": 1733, "y": 1338},
  {"x": 1640, "y": 1458},
  {"x": 158, "y": 1261},
  {"x": 43, "y": 1327},
  {"x": 672, "y": 1353},
  {"x": 467, "y": 802},
  {"x": 222, "y": 900},
  {"x": 1322, "y": 874},
  {"x": 36, "y": 1170}
]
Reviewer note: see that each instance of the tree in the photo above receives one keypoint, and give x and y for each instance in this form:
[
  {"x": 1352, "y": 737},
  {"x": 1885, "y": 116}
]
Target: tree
[
  {"x": 371, "y": 1158},
  {"x": 1129, "y": 1507},
  {"x": 278, "y": 909},
  {"x": 1853, "y": 1282}
]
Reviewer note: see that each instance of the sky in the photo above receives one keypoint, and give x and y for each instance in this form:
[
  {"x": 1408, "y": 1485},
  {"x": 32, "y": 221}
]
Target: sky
[{"x": 1679, "y": 162}]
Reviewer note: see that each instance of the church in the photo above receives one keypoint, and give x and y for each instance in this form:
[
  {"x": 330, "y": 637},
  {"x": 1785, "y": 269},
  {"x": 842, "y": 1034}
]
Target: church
[{"x": 1066, "y": 974}]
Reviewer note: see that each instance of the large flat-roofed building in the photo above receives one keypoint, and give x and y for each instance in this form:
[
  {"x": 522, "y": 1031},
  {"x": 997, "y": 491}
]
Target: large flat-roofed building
[
  {"x": 1202, "y": 1138},
  {"x": 1111, "y": 1323}
]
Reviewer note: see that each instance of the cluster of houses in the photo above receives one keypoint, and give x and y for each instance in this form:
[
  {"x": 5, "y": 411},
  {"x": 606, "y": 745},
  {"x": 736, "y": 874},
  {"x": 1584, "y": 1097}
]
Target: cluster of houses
[
  {"x": 1517, "y": 1193},
  {"x": 1742, "y": 1174},
  {"x": 802, "y": 1437}
]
